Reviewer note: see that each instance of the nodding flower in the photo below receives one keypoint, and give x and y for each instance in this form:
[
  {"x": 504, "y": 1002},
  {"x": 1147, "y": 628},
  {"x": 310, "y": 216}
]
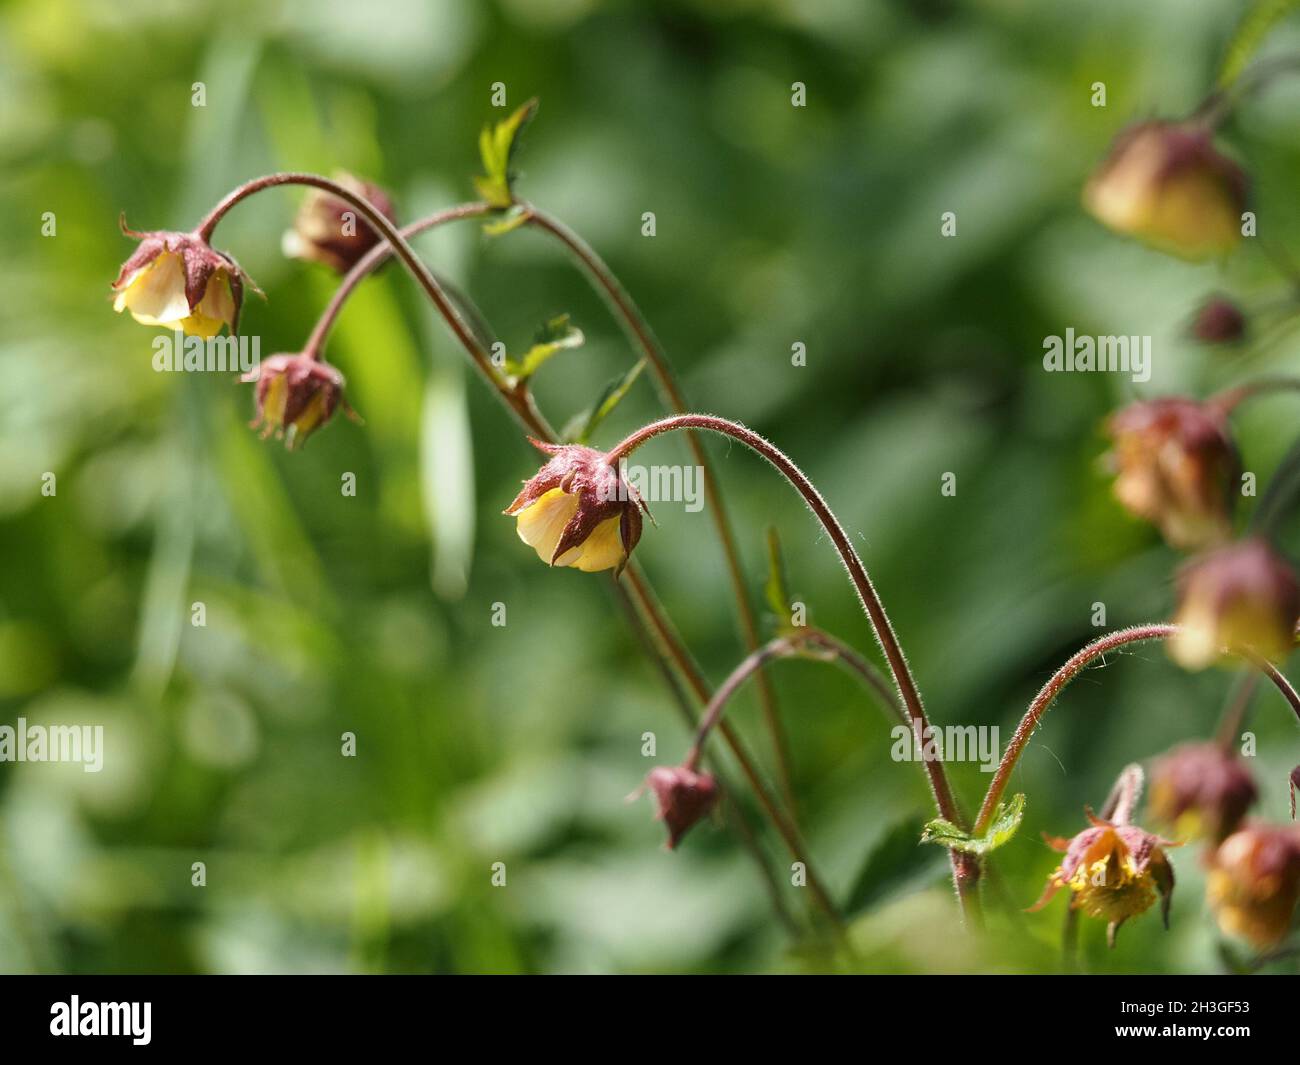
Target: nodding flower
[
  {"x": 1254, "y": 881},
  {"x": 295, "y": 396},
  {"x": 330, "y": 231},
  {"x": 683, "y": 797},
  {"x": 1201, "y": 790},
  {"x": 578, "y": 510},
  {"x": 1166, "y": 184},
  {"x": 179, "y": 281},
  {"x": 1243, "y": 597},
  {"x": 1113, "y": 872},
  {"x": 1176, "y": 467}
]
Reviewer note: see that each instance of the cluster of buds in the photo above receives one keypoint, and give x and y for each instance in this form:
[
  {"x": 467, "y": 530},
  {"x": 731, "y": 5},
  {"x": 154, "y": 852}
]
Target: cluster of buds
[
  {"x": 1176, "y": 467},
  {"x": 1166, "y": 184},
  {"x": 295, "y": 396},
  {"x": 1201, "y": 790},
  {"x": 327, "y": 230},
  {"x": 179, "y": 281},
  {"x": 578, "y": 510},
  {"x": 1240, "y": 598},
  {"x": 1113, "y": 872},
  {"x": 1254, "y": 882}
]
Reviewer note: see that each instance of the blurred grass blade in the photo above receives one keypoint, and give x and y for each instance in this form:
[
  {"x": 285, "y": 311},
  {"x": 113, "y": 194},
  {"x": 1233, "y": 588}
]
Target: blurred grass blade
[
  {"x": 581, "y": 426},
  {"x": 1250, "y": 33}
]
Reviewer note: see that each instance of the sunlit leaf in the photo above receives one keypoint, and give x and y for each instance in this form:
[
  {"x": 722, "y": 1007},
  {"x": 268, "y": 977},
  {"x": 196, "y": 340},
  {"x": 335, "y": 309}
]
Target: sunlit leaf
[
  {"x": 1254, "y": 27},
  {"x": 1004, "y": 825},
  {"x": 558, "y": 334},
  {"x": 581, "y": 426},
  {"x": 497, "y": 146},
  {"x": 776, "y": 590}
]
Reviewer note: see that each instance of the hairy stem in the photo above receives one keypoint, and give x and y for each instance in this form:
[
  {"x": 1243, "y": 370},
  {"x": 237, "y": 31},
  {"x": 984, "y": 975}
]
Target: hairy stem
[
  {"x": 1073, "y": 666},
  {"x": 520, "y": 405},
  {"x": 792, "y": 646},
  {"x": 643, "y": 339},
  {"x": 871, "y": 603},
  {"x": 785, "y": 828},
  {"x": 965, "y": 868},
  {"x": 519, "y": 402}
]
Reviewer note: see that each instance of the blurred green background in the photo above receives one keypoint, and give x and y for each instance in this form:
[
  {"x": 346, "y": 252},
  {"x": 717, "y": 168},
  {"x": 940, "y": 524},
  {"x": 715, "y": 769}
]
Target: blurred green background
[{"x": 372, "y": 615}]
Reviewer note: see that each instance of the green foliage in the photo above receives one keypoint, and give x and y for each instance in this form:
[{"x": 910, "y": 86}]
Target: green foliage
[
  {"x": 1251, "y": 32},
  {"x": 556, "y": 335},
  {"x": 1003, "y": 826},
  {"x": 497, "y": 146},
  {"x": 581, "y": 426}
]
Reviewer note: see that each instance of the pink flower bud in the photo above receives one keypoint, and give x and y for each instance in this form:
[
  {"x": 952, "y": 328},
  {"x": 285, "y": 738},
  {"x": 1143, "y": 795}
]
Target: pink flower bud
[
  {"x": 1176, "y": 466},
  {"x": 682, "y": 796},
  {"x": 1166, "y": 183},
  {"x": 1240, "y": 597},
  {"x": 331, "y": 231},
  {"x": 578, "y": 510},
  {"x": 295, "y": 396}
]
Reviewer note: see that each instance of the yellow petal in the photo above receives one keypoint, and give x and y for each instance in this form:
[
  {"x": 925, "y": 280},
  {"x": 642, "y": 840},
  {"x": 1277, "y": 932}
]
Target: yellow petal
[
  {"x": 541, "y": 523},
  {"x": 155, "y": 294},
  {"x": 603, "y": 549}
]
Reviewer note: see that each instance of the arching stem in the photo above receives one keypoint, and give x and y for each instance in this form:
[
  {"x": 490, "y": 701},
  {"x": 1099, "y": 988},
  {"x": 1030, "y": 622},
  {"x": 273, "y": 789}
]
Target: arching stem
[
  {"x": 792, "y": 646},
  {"x": 1073, "y": 666}
]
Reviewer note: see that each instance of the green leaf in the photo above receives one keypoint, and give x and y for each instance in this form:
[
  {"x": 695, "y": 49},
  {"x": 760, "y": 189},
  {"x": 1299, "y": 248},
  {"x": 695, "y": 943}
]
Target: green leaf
[
  {"x": 581, "y": 426},
  {"x": 497, "y": 146},
  {"x": 776, "y": 590},
  {"x": 1250, "y": 33},
  {"x": 557, "y": 335},
  {"x": 1005, "y": 823}
]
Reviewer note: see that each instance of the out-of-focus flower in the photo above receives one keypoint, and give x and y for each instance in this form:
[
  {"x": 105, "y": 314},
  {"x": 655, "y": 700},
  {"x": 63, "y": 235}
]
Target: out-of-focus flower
[
  {"x": 331, "y": 231},
  {"x": 1166, "y": 183},
  {"x": 578, "y": 510},
  {"x": 1114, "y": 872},
  {"x": 1199, "y": 788},
  {"x": 1254, "y": 881},
  {"x": 1219, "y": 321},
  {"x": 295, "y": 396},
  {"x": 1177, "y": 467},
  {"x": 683, "y": 797},
  {"x": 1240, "y": 597},
  {"x": 179, "y": 281}
]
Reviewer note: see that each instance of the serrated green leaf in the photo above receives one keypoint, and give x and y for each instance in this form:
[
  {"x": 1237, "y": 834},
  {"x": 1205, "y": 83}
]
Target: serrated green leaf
[
  {"x": 558, "y": 334},
  {"x": 497, "y": 146},
  {"x": 1250, "y": 33},
  {"x": 581, "y": 426},
  {"x": 776, "y": 590},
  {"x": 1005, "y": 822}
]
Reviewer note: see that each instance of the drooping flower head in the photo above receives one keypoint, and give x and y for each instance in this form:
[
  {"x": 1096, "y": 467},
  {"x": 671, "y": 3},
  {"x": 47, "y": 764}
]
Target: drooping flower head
[
  {"x": 1201, "y": 789},
  {"x": 295, "y": 396},
  {"x": 1166, "y": 183},
  {"x": 683, "y": 797},
  {"x": 331, "y": 231},
  {"x": 1177, "y": 467},
  {"x": 1240, "y": 597},
  {"x": 1254, "y": 881},
  {"x": 179, "y": 281},
  {"x": 1113, "y": 872},
  {"x": 578, "y": 510}
]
